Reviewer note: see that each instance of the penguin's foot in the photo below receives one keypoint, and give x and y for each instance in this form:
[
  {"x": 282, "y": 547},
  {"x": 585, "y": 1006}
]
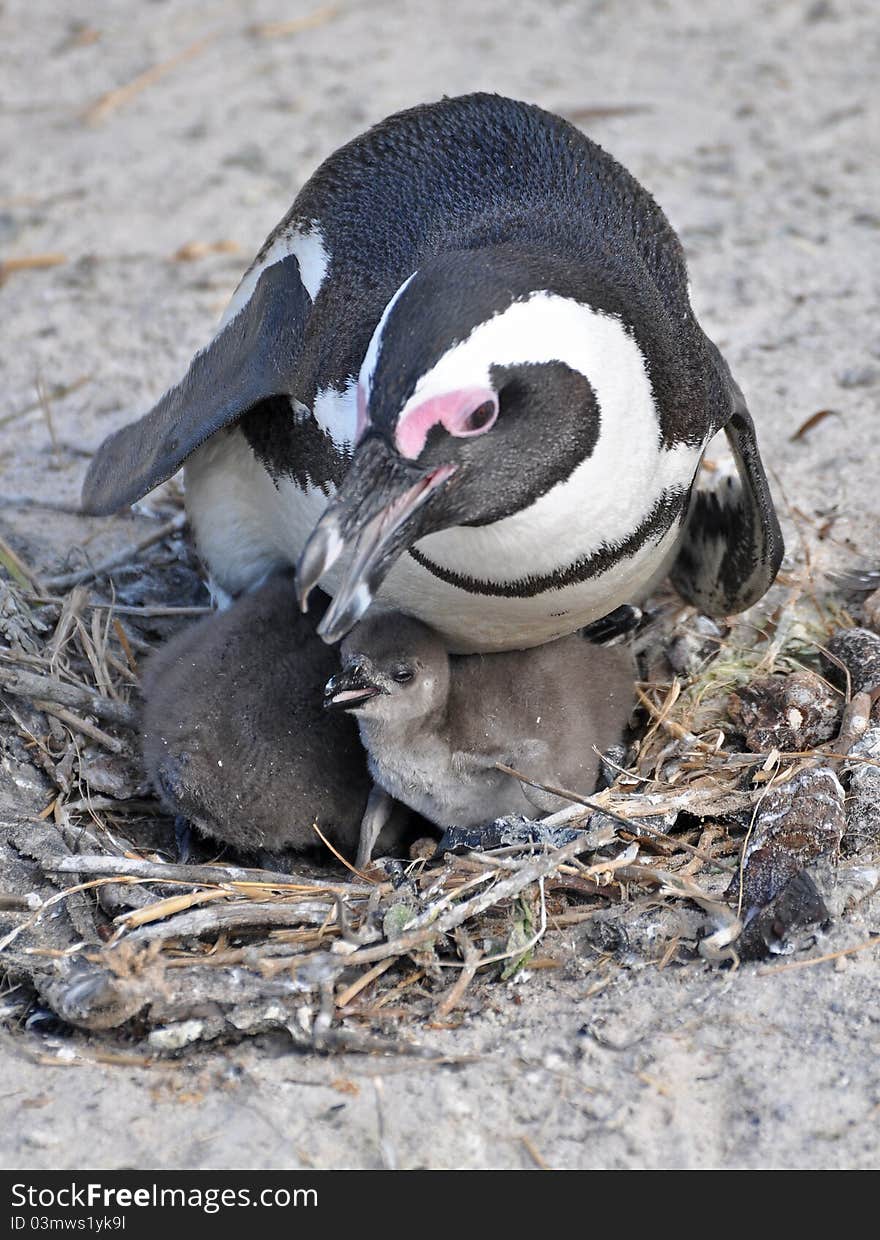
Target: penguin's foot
[
  {"x": 183, "y": 838},
  {"x": 617, "y": 624},
  {"x": 279, "y": 862},
  {"x": 376, "y": 815}
]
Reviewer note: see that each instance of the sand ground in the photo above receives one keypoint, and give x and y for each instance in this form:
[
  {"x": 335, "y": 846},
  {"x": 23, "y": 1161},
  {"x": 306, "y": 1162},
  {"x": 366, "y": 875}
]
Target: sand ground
[{"x": 755, "y": 124}]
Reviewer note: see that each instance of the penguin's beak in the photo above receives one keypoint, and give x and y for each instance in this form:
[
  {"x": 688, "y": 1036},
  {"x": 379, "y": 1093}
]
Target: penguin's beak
[
  {"x": 378, "y": 513},
  {"x": 351, "y": 687}
]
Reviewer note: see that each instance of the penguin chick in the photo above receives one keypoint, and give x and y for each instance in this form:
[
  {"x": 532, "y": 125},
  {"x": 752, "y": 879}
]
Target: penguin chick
[
  {"x": 235, "y": 739},
  {"x": 434, "y": 724}
]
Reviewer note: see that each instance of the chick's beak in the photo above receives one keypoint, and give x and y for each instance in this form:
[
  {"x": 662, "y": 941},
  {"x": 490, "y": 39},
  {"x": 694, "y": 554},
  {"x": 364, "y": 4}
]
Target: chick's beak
[
  {"x": 377, "y": 512},
  {"x": 351, "y": 687}
]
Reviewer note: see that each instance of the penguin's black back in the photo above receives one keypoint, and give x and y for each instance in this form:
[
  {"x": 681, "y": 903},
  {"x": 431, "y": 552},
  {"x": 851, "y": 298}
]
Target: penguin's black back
[{"x": 481, "y": 170}]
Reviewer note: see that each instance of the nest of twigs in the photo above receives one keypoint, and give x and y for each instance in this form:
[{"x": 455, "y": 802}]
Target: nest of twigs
[{"x": 672, "y": 863}]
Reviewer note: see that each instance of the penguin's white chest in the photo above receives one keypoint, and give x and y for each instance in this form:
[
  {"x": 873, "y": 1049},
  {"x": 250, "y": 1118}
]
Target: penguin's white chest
[
  {"x": 593, "y": 542},
  {"x": 600, "y": 539}
]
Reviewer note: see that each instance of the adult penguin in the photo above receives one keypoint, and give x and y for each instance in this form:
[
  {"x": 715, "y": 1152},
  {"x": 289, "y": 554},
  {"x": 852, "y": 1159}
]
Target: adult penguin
[{"x": 463, "y": 373}]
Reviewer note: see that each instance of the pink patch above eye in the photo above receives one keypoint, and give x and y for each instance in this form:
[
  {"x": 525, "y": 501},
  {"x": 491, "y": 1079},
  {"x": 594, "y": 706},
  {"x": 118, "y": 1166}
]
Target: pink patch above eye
[{"x": 453, "y": 411}]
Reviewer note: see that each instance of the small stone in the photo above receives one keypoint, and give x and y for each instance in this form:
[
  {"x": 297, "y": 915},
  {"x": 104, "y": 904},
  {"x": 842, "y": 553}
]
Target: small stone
[
  {"x": 778, "y": 928},
  {"x": 858, "y": 376},
  {"x": 871, "y": 610},
  {"x": 41, "y": 1139},
  {"x": 863, "y": 802},
  {"x": 797, "y": 822},
  {"x": 397, "y": 919},
  {"x": 250, "y": 157},
  {"x": 859, "y": 651},
  {"x": 111, "y": 774},
  {"x": 694, "y": 645},
  {"x": 174, "y": 1037},
  {"x": 785, "y": 712}
]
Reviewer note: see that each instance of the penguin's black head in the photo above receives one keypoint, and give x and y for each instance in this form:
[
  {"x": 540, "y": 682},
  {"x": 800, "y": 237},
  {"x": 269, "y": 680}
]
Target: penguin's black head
[{"x": 473, "y": 402}]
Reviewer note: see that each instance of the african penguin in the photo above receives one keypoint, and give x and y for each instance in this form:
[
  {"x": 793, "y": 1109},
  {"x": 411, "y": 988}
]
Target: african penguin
[
  {"x": 235, "y": 738},
  {"x": 434, "y": 724},
  {"x": 463, "y": 375}
]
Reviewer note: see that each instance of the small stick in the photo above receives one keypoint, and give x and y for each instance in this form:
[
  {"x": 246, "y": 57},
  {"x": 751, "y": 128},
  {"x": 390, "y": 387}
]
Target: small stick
[
  {"x": 109, "y": 1057},
  {"x": 361, "y": 983},
  {"x": 248, "y": 915},
  {"x": 56, "y": 899},
  {"x": 121, "y": 558},
  {"x": 51, "y": 689},
  {"x": 806, "y": 964},
  {"x": 408, "y": 981},
  {"x": 81, "y": 725},
  {"x": 122, "y": 668},
  {"x": 632, "y": 826},
  {"x": 130, "y": 806},
  {"x": 455, "y": 993},
  {"x": 339, "y": 857},
  {"x": 386, "y": 1145},
  {"x": 603, "y": 111},
  {"x": 113, "y": 99},
  {"x": 29, "y": 262},
  {"x": 167, "y": 908},
  {"x": 12, "y": 561},
  {"x": 59, "y": 391},
  {"x": 534, "y": 1153},
  {"x": 277, "y": 30},
  {"x": 576, "y": 916},
  {"x": 854, "y": 724},
  {"x": 122, "y": 638},
  {"x": 46, "y": 408},
  {"x": 19, "y": 904},
  {"x": 121, "y": 610},
  {"x": 231, "y": 875}
]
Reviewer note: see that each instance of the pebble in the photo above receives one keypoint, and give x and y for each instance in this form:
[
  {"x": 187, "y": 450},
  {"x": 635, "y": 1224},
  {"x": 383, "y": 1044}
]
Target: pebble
[
  {"x": 858, "y": 376},
  {"x": 859, "y": 651},
  {"x": 785, "y": 712}
]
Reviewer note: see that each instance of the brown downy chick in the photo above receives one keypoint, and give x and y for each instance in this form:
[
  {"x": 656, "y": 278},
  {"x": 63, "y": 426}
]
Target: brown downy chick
[{"x": 435, "y": 724}]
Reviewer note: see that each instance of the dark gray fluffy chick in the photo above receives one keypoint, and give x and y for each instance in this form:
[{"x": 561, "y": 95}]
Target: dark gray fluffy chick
[{"x": 235, "y": 737}]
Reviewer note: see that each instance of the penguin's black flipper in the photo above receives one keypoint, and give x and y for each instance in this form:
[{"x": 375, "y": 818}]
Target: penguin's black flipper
[
  {"x": 252, "y": 358},
  {"x": 732, "y": 545}
]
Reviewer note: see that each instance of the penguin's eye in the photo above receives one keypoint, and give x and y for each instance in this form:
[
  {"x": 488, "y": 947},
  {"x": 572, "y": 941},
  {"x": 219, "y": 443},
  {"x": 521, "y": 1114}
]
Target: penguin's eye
[
  {"x": 479, "y": 419},
  {"x": 403, "y": 675}
]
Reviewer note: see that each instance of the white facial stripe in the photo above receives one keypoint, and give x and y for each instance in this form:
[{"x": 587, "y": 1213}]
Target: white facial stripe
[
  {"x": 614, "y": 489},
  {"x": 547, "y": 328},
  {"x": 336, "y": 413},
  {"x": 368, "y": 367},
  {"x": 312, "y": 257}
]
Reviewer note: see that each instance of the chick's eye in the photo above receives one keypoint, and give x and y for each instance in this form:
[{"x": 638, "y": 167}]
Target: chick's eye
[
  {"x": 403, "y": 675},
  {"x": 480, "y": 417}
]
